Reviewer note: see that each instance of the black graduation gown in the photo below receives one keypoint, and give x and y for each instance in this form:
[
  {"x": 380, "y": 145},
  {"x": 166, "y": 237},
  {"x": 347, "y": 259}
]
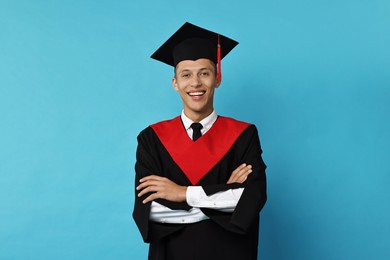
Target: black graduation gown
[{"x": 225, "y": 235}]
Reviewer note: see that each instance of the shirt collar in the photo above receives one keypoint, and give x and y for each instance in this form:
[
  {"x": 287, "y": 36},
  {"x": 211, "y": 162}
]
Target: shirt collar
[{"x": 206, "y": 122}]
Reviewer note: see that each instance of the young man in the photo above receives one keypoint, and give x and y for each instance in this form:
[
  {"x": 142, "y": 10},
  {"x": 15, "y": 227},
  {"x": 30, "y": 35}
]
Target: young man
[{"x": 200, "y": 179}]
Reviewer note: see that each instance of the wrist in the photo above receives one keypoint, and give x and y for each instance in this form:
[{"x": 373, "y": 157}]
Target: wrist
[
  {"x": 183, "y": 194},
  {"x": 194, "y": 195}
]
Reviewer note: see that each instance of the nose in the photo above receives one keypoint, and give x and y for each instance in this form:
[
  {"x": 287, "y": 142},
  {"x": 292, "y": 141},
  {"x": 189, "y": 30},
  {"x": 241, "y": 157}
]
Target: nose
[{"x": 195, "y": 81}]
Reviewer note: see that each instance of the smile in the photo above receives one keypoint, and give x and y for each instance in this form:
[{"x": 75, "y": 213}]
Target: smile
[{"x": 195, "y": 94}]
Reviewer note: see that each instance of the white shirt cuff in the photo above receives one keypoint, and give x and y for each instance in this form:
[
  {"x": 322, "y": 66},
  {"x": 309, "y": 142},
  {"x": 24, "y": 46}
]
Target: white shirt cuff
[{"x": 223, "y": 200}]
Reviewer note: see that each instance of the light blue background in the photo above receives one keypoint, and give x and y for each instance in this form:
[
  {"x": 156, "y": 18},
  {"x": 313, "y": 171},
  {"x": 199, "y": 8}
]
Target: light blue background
[{"x": 77, "y": 86}]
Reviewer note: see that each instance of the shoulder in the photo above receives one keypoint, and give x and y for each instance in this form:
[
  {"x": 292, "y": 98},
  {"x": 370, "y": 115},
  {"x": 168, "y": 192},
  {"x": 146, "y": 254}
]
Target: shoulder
[
  {"x": 230, "y": 123},
  {"x": 146, "y": 133},
  {"x": 248, "y": 133},
  {"x": 166, "y": 123},
  {"x": 232, "y": 120},
  {"x": 163, "y": 126}
]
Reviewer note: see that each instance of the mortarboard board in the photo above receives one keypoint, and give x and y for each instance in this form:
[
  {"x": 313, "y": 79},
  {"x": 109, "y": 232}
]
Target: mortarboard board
[{"x": 191, "y": 42}]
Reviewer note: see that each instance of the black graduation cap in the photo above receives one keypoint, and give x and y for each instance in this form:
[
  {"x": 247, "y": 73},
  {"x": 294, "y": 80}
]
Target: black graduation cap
[{"x": 191, "y": 42}]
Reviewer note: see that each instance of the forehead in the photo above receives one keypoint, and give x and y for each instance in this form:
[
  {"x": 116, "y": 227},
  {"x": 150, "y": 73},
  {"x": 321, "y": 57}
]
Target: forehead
[{"x": 195, "y": 65}]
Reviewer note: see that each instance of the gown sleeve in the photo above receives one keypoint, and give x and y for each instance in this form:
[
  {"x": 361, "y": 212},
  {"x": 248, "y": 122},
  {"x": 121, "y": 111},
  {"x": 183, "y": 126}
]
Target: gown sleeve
[
  {"x": 247, "y": 149},
  {"x": 147, "y": 163}
]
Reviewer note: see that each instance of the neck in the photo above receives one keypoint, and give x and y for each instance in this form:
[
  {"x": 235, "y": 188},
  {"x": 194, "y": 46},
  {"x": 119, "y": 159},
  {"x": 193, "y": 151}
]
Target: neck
[{"x": 197, "y": 117}]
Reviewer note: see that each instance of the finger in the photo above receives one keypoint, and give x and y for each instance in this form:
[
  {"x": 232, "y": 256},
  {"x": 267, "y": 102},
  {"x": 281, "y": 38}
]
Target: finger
[
  {"x": 150, "y": 188},
  {"x": 240, "y": 174},
  {"x": 150, "y": 198},
  {"x": 148, "y": 183},
  {"x": 148, "y": 191},
  {"x": 239, "y": 168},
  {"x": 242, "y": 171},
  {"x": 143, "y": 185},
  {"x": 244, "y": 176},
  {"x": 145, "y": 191},
  {"x": 156, "y": 180},
  {"x": 233, "y": 176},
  {"x": 151, "y": 177}
]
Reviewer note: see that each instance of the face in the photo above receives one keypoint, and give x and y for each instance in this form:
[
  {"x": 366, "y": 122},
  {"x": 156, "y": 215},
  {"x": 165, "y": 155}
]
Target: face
[{"x": 196, "y": 81}]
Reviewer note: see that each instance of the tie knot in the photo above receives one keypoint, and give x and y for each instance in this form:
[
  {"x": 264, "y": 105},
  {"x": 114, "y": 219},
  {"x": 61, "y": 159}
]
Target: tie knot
[
  {"x": 196, "y": 126},
  {"x": 196, "y": 131}
]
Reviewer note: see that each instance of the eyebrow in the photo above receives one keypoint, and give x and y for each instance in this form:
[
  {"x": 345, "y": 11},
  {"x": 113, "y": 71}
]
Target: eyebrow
[{"x": 188, "y": 70}]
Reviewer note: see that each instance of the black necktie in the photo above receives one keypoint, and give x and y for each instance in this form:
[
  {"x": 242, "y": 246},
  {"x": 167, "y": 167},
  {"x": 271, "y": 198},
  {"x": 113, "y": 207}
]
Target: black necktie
[{"x": 196, "y": 131}]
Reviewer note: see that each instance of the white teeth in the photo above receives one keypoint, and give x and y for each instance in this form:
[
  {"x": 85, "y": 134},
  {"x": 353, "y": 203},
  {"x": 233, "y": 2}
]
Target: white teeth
[{"x": 196, "y": 93}]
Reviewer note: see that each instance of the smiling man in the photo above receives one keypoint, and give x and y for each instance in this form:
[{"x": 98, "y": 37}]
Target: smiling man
[
  {"x": 195, "y": 82},
  {"x": 200, "y": 179}
]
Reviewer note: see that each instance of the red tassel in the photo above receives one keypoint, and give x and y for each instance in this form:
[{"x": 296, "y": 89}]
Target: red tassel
[{"x": 219, "y": 73}]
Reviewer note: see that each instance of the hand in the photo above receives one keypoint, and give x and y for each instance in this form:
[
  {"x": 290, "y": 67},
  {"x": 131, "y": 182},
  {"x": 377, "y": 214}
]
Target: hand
[
  {"x": 161, "y": 188},
  {"x": 240, "y": 174}
]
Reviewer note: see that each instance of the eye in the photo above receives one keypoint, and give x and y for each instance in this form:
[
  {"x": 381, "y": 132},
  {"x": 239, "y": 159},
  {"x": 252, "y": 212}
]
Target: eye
[
  {"x": 185, "y": 75},
  {"x": 205, "y": 73}
]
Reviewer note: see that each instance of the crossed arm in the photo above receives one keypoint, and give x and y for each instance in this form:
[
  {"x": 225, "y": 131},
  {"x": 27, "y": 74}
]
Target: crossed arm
[{"x": 163, "y": 188}]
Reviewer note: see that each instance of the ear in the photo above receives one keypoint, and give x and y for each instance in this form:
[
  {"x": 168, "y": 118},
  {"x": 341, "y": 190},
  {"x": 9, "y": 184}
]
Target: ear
[
  {"x": 217, "y": 83},
  {"x": 174, "y": 84}
]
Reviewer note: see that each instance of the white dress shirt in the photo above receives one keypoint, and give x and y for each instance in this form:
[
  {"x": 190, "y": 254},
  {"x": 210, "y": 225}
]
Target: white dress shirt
[{"x": 196, "y": 197}]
